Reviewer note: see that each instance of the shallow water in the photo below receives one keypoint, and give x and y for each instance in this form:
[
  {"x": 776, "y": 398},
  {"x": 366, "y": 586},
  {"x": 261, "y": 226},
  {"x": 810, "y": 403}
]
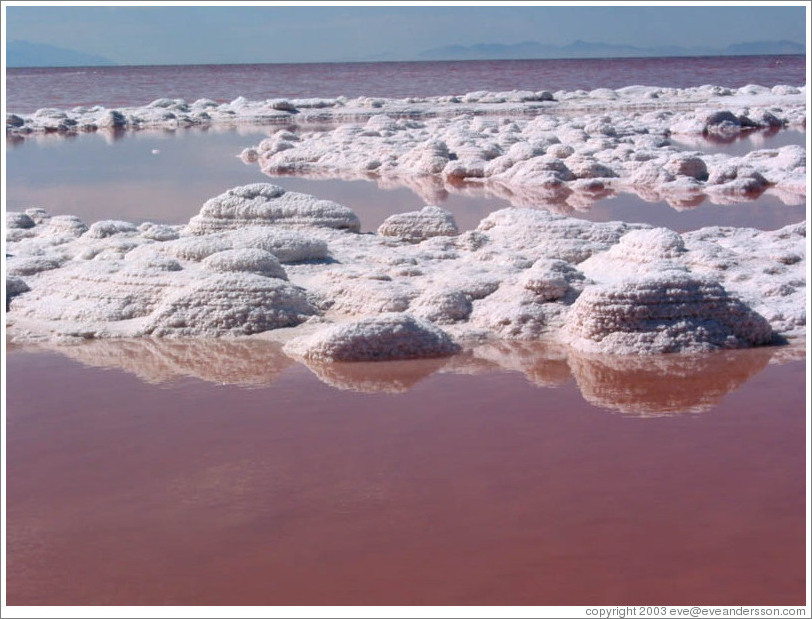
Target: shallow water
[
  {"x": 509, "y": 476},
  {"x": 31, "y": 89},
  {"x": 100, "y": 176}
]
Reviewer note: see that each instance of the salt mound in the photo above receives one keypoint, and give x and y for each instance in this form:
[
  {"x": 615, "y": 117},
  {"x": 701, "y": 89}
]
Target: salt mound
[
  {"x": 638, "y": 252},
  {"x": 247, "y": 260},
  {"x": 417, "y": 226},
  {"x": 380, "y": 338},
  {"x": 552, "y": 280},
  {"x": 110, "y": 227},
  {"x": 663, "y": 313},
  {"x": 541, "y": 234},
  {"x": 15, "y": 286},
  {"x": 229, "y": 304},
  {"x": 264, "y": 204},
  {"x": 442, "y": 307},
  {"x": 287, "y": 245},
  {"x": 19, "y": 220},
  {"x": 97, "y": 291}
]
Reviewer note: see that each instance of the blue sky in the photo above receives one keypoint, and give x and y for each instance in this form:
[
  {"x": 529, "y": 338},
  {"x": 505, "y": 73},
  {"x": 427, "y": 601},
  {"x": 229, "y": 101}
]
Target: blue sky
[{"x": 235, "y": 34}]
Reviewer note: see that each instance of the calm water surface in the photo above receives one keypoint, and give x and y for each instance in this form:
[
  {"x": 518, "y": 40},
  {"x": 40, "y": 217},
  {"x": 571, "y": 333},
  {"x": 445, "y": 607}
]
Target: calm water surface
[
  {"x": 142, "y": 475},
  {"x": 31, "y": 89}
]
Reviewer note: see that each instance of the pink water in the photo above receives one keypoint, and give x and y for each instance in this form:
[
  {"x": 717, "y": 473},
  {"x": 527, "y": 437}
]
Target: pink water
[
  {"x": 95, "y": 178},
  {"x": 30, "y": 89},
  {"x": 498, "y": 488}
]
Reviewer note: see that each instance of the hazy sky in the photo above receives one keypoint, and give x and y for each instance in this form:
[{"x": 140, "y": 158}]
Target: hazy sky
[{"x": 235, "y": 34}]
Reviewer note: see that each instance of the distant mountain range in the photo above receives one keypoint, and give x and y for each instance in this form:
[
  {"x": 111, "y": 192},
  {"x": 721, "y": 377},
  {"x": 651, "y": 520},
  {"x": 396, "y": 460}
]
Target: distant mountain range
[
  {"x": 583, "y": 49},
  {"x": 27, "y": 54}
]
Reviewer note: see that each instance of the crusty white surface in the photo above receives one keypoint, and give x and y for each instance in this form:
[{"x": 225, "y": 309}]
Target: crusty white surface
[{"x": 522, "y": 274}]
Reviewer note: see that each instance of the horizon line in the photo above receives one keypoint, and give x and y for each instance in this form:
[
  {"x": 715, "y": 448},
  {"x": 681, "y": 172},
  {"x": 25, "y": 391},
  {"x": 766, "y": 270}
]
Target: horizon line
[{"x": 310, "y": 62}]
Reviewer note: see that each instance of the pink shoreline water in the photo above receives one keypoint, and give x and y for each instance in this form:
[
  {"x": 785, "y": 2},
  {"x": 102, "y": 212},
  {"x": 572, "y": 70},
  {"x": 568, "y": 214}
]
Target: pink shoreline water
[
  {"x": 95, "y": 179},
  {"x": 480, "y": 490},
  {"x": 30, "y": 89}
]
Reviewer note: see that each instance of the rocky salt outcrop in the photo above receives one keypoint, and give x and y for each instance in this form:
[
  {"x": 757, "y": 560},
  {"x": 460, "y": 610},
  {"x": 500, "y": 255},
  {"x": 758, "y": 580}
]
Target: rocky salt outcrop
[
  {"x": 263, "y": 204},
  {"x": 704, "y": 109},
  {"x": 522, "y": 274},
  {"x": 249, "y": 260},
  {"x": 229, "y": 304},
  {"x": 662, "y": 313},
  {"x": 380, "y": 338},
  {"x": 418, "y": 226}
]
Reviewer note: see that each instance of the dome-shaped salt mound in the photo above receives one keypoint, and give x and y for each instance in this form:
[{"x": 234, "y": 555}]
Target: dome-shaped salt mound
[
  {"x": 663, "y": 313},
  {"x": 229, "y": 304},
  {"x": 264, "y": 204},
  {"x": 380, "y": 338},
  {"x": 247, "y": 260},
  {"x": 419, "y": 225}
]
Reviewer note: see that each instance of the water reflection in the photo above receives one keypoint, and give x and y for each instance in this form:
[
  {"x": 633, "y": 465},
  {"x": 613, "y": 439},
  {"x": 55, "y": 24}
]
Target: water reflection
[
  {"x": 121, "y": 176},
  {"x": 739, "y": 144},
  {"x": 638, "y": 386},
  {"x": 249, "y": 363}
]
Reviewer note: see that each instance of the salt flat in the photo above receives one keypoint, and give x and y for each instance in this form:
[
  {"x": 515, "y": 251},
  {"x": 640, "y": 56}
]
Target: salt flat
[{"x": 261, "y": 260}]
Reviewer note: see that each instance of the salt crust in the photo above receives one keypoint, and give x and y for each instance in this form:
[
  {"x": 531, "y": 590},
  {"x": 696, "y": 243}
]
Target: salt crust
[
  {"x": 522, "y": 274},
  {"x": 707, "y": 108},
  {"x": 380, "y": 338},
  {"x": 563, "y": 148},
  {"x": 550, "y": 158},
  {"x": 428, "y": 222},
  {"x": 264, "y": 204}
]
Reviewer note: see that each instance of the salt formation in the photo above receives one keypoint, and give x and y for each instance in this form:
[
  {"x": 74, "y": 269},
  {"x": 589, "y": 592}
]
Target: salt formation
[
  {"x": 419, "y": 226},
  {"x": 229, "y": 303},
  {"x": 263, "y": 204},
  {"x": 384, "y": 337},
  {"x": 709, "y": 109},
  {"x": 522, "y": 274},
  {"x": 258, "y": 258},
  {"x": 660, "y": 313},
  {"x": 551, "y": 156}
]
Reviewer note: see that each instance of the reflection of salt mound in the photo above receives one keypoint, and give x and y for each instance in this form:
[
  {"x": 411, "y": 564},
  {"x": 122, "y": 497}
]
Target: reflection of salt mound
[
  {"x": 263, "y": 204},
  {"x": 237, "y": 362},
  {"x": 660, "y": 313},
  {"x": 656, "y": 386},
  {"x": 384, "y": 337},
  {"x": 375, "y": 376},
  {"x": 543, "y": 363}
]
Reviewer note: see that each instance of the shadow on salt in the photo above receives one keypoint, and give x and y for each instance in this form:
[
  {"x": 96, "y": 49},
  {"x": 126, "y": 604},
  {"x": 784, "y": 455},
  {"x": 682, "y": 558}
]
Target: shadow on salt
[{"x": 650, "y": 386}]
